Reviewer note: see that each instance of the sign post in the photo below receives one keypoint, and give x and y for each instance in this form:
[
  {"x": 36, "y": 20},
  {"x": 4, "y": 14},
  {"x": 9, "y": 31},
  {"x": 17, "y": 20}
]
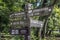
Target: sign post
[{"x": 28, "y": 23}]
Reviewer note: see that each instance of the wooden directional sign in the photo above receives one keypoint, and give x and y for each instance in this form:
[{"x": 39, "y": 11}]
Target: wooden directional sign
[
  {"x": 34, "y": 12},
  {"x": 17, "y": 23},
  {"x": 24, "y": 31},
  {"x": 33, "y": 23},
  {"x": 14, "y": 31},
  {"x": 20, "y": 31}
]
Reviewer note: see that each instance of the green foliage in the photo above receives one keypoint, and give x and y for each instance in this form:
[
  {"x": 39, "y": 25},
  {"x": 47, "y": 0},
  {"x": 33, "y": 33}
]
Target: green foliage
[
  {"x": 8, "y": 6},
  {"x": 54, "y": 19},
  {"x": 4, "y": 15}
]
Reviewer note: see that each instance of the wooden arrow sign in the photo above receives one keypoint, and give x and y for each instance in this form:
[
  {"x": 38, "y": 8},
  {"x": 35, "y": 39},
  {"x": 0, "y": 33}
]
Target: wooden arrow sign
[
  {"x": 34, "y": 12},
  {"x": 19, "y": 31},
  {"x": 33, "y": 23}
]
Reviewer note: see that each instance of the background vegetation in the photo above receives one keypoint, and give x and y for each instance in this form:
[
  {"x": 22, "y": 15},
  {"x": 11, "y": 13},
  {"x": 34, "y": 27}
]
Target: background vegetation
[{"x": 10, "y": 6}]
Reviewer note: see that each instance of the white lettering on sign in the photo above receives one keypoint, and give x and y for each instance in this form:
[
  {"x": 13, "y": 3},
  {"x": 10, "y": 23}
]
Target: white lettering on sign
[
  {"x": 15, "y": 32},
  {"x": 23, "y": 31},
  {"x": 21, "y": 22},
  {"x": 38, "y": 10},
  {"x": 35, "y": 23},
  {"x": 30, "y": 11}
]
